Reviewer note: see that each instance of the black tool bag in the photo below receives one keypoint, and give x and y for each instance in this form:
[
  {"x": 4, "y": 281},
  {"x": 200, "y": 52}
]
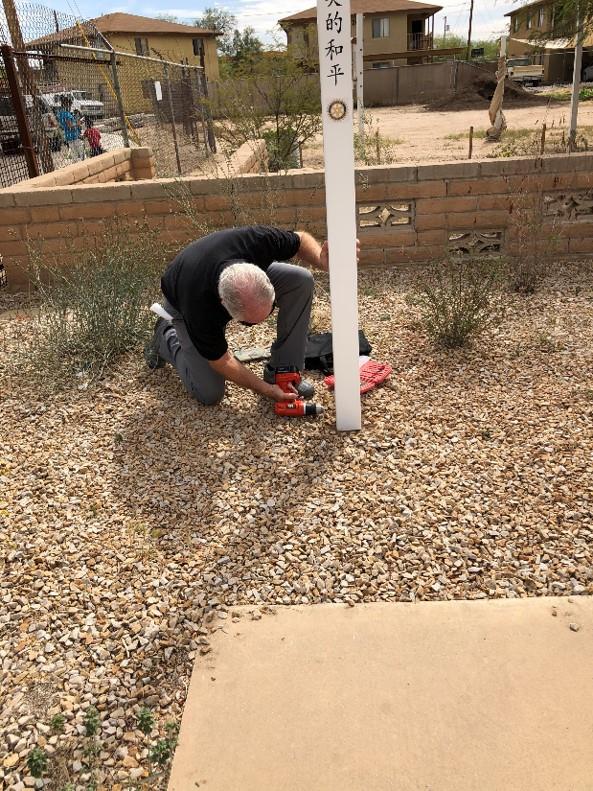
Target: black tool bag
[{"x": 319, "y": 355}]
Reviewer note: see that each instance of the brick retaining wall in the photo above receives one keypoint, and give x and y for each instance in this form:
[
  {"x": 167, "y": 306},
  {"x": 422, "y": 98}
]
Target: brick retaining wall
[
  {"x": 405, "y": 213},
  {"x": 123, "y": 164}
]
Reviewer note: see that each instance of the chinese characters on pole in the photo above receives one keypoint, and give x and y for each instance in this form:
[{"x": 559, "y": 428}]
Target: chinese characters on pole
[{"x": 334, "y": 28}]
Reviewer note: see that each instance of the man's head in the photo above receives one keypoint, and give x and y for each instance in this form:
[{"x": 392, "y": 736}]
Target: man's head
[{"x": 246, "y": 292}]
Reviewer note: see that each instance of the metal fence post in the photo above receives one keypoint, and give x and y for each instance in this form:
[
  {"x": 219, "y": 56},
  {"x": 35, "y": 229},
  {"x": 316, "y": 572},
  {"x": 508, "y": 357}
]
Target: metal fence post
[
  {"x": 120, "y": 104},
  {"x": 209, "y": 124},
  {"x": 20, "y": 112},
  {"x": 175, "y": 141}
]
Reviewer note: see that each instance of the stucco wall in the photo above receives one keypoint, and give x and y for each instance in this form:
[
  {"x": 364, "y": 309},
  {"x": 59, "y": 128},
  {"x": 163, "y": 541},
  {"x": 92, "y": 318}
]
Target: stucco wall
[
  {"x": 173, "y": 47},
  {"x": 405, "y": 213}
]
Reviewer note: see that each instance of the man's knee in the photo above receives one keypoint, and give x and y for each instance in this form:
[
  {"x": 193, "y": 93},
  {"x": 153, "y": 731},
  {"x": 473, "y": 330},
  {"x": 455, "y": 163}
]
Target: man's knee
[
  {"x": 210, "y": 396},
  {"x": 304, "y": 280}
]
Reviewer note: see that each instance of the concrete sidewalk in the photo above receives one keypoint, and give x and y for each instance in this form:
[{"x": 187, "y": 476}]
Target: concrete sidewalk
[{"x": 445, "y": 696}]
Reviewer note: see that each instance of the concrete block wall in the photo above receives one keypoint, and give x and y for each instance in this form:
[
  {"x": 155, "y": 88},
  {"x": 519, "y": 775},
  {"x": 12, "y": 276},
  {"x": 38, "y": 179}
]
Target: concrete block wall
[
  {"x": 124, "y": 164},
  {"x": 405, "y": 213}
]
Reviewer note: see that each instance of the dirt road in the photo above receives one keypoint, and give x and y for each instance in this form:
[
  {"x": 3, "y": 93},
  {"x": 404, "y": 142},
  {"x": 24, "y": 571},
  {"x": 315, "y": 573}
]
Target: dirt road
[{"x": 421, "y": 135}]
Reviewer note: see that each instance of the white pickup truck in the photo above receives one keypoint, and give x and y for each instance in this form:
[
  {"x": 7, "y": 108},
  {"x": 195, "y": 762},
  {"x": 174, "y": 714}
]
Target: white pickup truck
[
  {"x": 82, "y": 103},
  {"x": 523, "y": 70}
]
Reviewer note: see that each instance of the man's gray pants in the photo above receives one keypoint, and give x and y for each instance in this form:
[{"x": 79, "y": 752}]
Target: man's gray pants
[{"x": 294, "y": 295}]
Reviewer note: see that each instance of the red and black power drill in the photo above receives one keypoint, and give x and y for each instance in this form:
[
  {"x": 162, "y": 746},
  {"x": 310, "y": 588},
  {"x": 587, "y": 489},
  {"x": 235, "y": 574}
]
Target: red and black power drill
[{"x": 288, "y": 377}]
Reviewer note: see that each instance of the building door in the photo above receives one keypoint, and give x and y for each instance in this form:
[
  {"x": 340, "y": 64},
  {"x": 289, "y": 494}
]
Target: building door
[{"x": 417, "y": 34}]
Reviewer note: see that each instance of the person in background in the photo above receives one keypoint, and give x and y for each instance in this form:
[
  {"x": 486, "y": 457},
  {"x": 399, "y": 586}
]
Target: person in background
[
  {"x": 92, "y": 135},
  {"x": 71, "y": 127}
]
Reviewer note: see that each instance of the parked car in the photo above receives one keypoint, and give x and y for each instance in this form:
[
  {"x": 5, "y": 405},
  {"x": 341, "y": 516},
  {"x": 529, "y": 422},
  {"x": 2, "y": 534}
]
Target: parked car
[
  {"x": 524, "y": 71},
  {"x": 82, "y": 103},
  {"x": 10, "y": 139},
  {"x": 588, "y": 74}
]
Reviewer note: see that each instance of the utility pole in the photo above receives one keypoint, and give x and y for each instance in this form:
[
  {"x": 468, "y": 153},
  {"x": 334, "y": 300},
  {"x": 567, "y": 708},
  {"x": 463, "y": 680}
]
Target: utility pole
[
  {"x": 469, "y": 33},
  {"x": 445, "y": 32},
  {"x": 576, "y": 83}
]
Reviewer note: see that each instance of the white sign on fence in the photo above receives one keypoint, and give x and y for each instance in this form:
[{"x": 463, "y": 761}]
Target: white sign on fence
[
  {"x": 335, "y": 69},
  {"x": 158, "y": 91}
]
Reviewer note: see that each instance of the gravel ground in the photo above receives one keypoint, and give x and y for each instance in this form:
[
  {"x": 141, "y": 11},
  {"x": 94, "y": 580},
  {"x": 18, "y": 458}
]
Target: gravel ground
[{"x": 132, "y": 520}]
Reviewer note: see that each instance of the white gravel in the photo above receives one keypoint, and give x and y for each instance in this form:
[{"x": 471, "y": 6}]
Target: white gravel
[{"x": 132, "y": 519}]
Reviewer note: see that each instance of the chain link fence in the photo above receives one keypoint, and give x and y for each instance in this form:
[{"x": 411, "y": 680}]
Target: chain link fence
[{"x": 61, "y": 80}]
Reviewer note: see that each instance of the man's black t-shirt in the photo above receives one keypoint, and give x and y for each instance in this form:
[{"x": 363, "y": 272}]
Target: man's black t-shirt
[{"x": 190, "y": 282}]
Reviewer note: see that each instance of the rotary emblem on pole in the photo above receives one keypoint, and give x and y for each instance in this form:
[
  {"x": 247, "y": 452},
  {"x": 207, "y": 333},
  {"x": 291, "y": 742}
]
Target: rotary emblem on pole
[{"x": 338, "y": 110}]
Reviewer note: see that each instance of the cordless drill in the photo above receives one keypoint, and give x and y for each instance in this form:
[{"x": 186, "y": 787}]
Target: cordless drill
[{"x": 288, "y": 377}]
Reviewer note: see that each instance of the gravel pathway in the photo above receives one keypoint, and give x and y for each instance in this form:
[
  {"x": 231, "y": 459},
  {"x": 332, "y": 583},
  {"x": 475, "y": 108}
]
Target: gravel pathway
[{"x": 132, "y": 520}]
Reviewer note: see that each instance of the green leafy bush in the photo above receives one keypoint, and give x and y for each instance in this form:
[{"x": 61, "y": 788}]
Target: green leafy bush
[
  {"x": 145, "y": 720},
  {"x": 37, "y": 761},
  {"x": 458, "y": 299}
]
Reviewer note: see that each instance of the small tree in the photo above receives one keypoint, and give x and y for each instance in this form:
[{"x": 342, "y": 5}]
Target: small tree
[
  {"x": 491, "y": 47},
  {"x": 275, "y": 99},
  {"x": 245, "y": 45},
  {"x": 222, "y": 22}
]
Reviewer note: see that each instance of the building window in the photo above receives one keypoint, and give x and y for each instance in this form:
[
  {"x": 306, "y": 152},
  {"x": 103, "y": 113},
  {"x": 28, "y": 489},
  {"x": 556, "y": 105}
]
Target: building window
[
  {"x": 529, "y": 19},
  {"x": 198, "y": 45},
  {"x": 381, "y": 64},
  {"x": 141, "y": 46},
  {"x": 541, "y": 17},
  {"x": 381, "y": 27},
  {"x": 516, "y": 23}
]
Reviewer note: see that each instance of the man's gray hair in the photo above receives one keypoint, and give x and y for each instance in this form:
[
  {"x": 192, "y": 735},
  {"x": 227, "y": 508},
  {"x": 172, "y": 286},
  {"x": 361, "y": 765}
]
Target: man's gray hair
[{"x": 242, "y": 286}]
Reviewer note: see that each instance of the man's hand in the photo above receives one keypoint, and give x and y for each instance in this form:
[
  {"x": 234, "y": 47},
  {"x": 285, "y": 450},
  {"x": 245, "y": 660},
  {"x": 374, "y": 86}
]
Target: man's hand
[
  {"x": 233, "y": 371},
  {"x": 278, "y": 394},
  {"x": 324, "y": 255},
  {"x": 314, "y": 254}
]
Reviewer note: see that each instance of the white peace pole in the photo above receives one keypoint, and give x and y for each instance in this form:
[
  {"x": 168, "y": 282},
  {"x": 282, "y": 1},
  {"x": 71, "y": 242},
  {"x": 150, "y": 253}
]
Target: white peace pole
[{"x": 335, "y": 71}]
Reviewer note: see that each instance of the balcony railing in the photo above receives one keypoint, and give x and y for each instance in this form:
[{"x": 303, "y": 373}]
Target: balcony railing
[{"x": 420, "y": 41}]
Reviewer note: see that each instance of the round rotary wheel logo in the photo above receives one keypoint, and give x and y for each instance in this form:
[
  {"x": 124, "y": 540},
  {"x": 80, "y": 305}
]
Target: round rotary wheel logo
[{"x": 337, "y": 110}]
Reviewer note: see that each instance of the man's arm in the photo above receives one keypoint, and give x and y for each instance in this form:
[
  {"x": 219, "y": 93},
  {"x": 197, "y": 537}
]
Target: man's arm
[
  {"x": 234, "y": 371},
  {"x": 314, "y": 254},
  {"x": 311, "y": 252}
]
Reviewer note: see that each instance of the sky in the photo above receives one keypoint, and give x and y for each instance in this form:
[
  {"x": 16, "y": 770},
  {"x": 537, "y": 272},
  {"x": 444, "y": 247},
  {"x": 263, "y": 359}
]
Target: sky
[{"x": 489, "y": 19}]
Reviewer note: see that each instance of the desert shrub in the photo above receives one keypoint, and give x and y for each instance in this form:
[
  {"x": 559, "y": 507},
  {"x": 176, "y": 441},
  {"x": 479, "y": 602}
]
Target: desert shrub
[
  {"x": 95, "y": 309},
  {"x": 283, "y": 149},
  {"x": 373, "y": 148},
  {"x": 277, "y": 100},
  {"x": 458, "y": 299},
  {"x": 533, "y": 238}
]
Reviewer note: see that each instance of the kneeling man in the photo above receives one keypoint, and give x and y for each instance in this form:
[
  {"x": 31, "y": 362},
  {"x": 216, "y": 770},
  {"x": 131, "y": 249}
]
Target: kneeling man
[{"x": 236, "y": 274}]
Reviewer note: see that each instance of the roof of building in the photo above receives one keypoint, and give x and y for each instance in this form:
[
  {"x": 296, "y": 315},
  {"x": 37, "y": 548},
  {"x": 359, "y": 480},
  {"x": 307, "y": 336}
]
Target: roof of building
[
  {"x": 528, "y": 5},
  {"x": 132, "y": 23},
  {"x": 370, "y": 7},
  {"x": 125, "y": 23}
]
